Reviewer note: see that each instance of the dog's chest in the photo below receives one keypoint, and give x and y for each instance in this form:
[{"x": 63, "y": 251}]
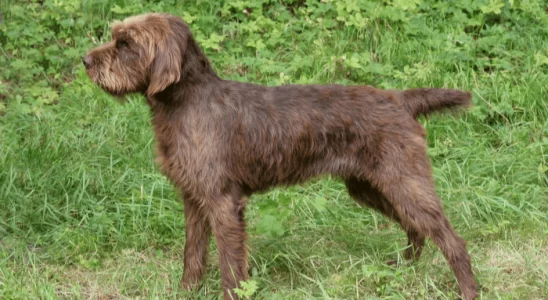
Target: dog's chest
[{"x": 185, "y": 153}]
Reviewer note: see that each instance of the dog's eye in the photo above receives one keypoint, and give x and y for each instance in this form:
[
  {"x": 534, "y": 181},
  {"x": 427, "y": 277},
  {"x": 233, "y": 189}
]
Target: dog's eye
[{"x": 121, "y": 44}]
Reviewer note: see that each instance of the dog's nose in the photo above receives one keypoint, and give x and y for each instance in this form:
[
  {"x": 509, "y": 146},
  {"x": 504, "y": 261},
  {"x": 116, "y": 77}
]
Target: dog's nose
[{"x": 88, "y": 61}]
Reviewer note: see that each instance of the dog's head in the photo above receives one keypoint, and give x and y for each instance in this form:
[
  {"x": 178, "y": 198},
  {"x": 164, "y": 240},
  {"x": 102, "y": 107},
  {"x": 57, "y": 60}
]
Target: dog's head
[{"x": 145, "y": 55}]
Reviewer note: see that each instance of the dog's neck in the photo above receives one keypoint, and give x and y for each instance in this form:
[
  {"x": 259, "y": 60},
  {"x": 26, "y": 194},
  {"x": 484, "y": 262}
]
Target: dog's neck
[
  {"x": 196, "y": 67},
  {"x": 196, "y": 72}
]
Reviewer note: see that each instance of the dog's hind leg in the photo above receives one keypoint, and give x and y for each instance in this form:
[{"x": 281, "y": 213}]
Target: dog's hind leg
[
  {"x": 198, "y": 231},
  {"x": 404, "y": 178},
  {"x": 365, "y": 194}
]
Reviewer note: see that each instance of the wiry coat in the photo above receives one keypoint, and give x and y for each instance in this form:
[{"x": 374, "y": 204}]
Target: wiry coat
[{"x": 219, "y": 141}]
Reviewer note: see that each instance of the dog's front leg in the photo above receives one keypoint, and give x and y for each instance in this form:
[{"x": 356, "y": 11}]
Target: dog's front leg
[
  {"x": 227, "y": 220},
  {"x": 198, "y": 230}
]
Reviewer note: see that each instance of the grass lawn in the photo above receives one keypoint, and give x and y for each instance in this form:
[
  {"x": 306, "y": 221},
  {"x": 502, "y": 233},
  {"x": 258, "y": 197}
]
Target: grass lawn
[{"x": 85, "y": 213}]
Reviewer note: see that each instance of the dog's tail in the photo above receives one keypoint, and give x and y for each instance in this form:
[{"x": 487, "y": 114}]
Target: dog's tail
[{"x": 424, "y": 101}]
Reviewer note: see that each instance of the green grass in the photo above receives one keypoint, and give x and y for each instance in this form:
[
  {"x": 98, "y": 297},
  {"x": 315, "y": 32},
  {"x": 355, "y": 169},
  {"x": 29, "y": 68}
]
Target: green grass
[{"x": 85, "y": 213}]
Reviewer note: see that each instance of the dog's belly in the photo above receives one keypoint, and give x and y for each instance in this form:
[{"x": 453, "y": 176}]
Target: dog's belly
[{"x": 260, "y": 175}]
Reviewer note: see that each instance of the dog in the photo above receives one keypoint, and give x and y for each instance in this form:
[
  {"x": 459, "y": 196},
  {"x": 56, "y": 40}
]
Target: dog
[{"x": 220, "y": 141}]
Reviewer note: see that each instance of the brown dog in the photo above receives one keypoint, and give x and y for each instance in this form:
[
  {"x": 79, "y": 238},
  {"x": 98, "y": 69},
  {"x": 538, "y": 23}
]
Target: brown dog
[{"x": 219, "y": 141}]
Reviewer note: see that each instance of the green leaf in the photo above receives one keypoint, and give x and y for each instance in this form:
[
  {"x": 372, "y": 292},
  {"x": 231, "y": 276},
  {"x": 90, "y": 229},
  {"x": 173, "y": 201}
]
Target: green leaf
[
  {"x": 494, "y": 6},
  {"x": 248, "y": 288},
  {"x": 213, "y": 42},
  {"x": 406, "y": 4},
  {"x": 189, "y": 19},
  {"x": 270, "y": 226}
]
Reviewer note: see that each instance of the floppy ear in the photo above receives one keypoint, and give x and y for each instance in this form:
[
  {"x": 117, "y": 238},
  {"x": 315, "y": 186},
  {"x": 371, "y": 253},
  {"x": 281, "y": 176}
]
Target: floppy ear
[{"x": 166, "y": 66}]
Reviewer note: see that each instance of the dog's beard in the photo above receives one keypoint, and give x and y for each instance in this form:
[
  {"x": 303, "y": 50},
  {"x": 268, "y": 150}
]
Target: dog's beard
[
  {"x": 118, "y": 95},
  {"x": 110, "y": 83}
]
